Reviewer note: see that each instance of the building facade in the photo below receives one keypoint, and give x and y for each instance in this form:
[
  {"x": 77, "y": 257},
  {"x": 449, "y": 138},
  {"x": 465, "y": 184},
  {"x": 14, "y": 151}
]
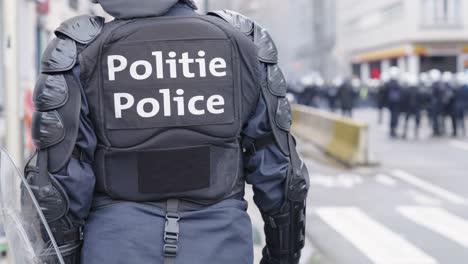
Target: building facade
[
  {"x": 415, "y": 35},
  {"x": 36, "y": 23},
  {"x": 2, "y": 61},
  {"x": 293, "y": 26},
  {"x": 324, "y": 32}
]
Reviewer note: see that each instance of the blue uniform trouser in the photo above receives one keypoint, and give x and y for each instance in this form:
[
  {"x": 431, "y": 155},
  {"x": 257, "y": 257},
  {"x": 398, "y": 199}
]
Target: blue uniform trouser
[
  {"x": 394, "y": 118},
  {"x": 437, "y": 120},
  {"x": 127, "y": 232},
  {"x": 417, "y": 121},
  {"x": 459, "y": 121}
]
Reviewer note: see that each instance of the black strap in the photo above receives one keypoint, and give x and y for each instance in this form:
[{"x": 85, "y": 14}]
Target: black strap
[
  {"x": 171, "y": 231},
  {"x": 42, "y": 177},
  {"x": 64, "y": 237},
  {"x": 259, "y": 143},
  {"x": 80, "y": 155}
]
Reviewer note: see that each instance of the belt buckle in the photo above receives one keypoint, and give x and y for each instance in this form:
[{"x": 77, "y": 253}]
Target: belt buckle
[
  {"x": 170, "y": 250},
  {"x": 171, "y": 231},
  {"x": 171, "y": 234}
]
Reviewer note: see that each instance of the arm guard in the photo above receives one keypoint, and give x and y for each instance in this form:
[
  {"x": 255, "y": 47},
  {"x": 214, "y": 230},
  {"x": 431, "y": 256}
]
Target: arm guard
[
  {"x": 55, "y": 125},
  {"x": 285, "y": 231}
]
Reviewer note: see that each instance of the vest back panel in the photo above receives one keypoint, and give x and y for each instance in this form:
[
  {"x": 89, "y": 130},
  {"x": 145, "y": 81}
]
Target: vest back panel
[{"x": 166, "y": 96}]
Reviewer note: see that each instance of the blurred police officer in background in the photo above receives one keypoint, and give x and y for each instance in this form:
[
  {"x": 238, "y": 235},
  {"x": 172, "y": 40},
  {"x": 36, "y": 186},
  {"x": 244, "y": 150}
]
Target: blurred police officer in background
[
  {"x": 147, "y": 129},
  {"x": 448, "y": 101},
  {"x": 412, "y": 103},
  {"x": 436, "y": 109},
  {"x": 310, "y": 92},
  {"x": 425, "y": 85},
  {"x": 346, "y": 96},
  {"x": 382, "y": 95},
  {"x": 394, "y": 99},
  {"x": 460, "y": 103},
  {"x": 332, "y": 95}
]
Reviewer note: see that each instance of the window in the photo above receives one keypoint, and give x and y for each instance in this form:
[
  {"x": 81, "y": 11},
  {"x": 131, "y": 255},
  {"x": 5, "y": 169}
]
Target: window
[
  {"x": 443, "y": 63},
  {"x": 441, "y": 12},
  {"x": 384, "y": 15},
  {"x": 356, "y": 69}
]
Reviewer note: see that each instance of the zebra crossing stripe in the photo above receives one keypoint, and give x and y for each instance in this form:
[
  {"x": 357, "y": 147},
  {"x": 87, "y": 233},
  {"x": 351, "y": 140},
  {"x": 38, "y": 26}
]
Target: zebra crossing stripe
[
  {"x": 459, "y": 144},
  {"x": 429, "y": 187},
  {"x": 374, "y": 240},
  {"x": 385, "y": 180},
  {"x": 440, "y": 221}
]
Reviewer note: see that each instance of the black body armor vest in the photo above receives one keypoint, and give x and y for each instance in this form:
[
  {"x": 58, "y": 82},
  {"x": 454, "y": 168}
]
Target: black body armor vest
[{"x": 169, "y": 98}]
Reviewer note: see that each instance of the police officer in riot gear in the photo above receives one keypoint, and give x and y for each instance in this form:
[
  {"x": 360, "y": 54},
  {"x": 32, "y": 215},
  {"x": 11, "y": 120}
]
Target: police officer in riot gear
[
  {"x": 394, "y": 100},
  {"x": 459, "y": 104},
  {"x": 412, "y": 104},
  {"x": 448, "y": 101},
  {"x": 437, "y": 92},
  {"x": 346, "y": 96},
  {"x": 147, "y": 129},
  {"x": 382, "y": 95}
]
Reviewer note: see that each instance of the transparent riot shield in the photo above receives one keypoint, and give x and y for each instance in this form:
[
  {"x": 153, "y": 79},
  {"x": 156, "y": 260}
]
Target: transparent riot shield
[{"x": 30, "y": 240}]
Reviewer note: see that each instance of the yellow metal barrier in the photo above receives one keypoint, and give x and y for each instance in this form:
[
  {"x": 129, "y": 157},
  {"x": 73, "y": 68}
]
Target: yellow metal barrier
[{"x": 342, "y": 138}]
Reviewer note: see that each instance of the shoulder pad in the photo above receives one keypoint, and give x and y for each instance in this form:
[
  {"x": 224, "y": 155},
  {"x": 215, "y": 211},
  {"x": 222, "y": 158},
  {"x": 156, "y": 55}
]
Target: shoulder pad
[
  {"x": 59, "y": 56},
  {"x": 276, "y": 81},
  {"x": 238, "y": 21},
  {"x": 82, "y": 29},
  {"x": 47, "y": 129},
  {"x": 51, "y": 92},
  {"x": 266, "y": 48}
]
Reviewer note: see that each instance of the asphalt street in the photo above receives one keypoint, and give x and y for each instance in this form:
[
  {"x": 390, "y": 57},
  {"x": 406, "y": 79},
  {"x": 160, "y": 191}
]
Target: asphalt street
[{"x": 411, "y": 209}]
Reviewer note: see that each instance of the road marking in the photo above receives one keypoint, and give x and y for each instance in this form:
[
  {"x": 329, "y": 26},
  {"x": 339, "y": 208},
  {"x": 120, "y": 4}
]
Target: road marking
[
  {"x": 346, "y": 181},
  {"x": 321, "y": 180},
  {"x": 440, "y": 221},
  {"x": 429, "y": 187},
  {"x": 374, "y": 240},
  {"x": 423, "y": 199},
  {"x": 459, "y": 144},
  {"x": 385, "y": 180}
]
